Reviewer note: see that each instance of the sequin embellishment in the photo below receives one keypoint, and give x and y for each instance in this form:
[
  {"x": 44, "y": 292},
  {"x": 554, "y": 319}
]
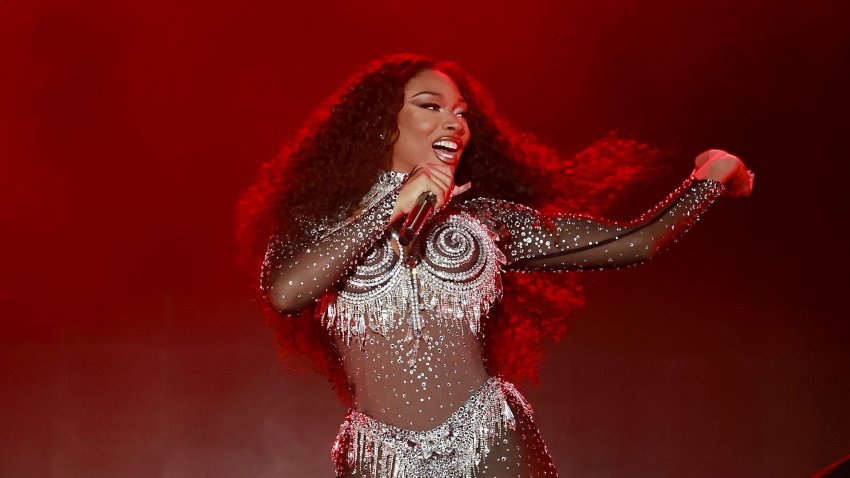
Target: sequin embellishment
[
  {"x": 457, "y": 279},
  {"x": 453, "y": 449},
  {"x": 416, "y": 317}
]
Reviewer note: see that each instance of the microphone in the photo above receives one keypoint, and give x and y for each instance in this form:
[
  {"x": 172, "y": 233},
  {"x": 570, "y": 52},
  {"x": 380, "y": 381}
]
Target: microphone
[{"x": 423, "y": 208}]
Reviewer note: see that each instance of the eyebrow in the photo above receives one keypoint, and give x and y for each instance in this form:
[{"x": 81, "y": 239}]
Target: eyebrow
[{"x": 428, "y": 92}]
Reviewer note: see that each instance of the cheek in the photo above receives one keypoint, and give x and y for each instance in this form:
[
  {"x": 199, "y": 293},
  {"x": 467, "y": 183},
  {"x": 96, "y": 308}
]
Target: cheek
[
  {"x": 415, "y": 122},
  {"x": 410, "y": 133}
]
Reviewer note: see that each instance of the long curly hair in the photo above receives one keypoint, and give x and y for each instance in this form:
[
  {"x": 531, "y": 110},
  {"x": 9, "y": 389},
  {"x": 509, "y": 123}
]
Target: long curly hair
[{"x": 347, "y": 143}]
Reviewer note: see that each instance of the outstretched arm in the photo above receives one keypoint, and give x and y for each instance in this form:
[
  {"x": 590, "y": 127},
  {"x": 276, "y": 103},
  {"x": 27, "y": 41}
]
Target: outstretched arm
[
  {"x": 533, "y": 241},
  {"x": 536, "y": 241}
]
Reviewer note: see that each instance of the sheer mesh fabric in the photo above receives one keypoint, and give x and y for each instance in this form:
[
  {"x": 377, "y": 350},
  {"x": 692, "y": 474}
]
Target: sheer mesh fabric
[
  {"x": 298, "y": 272},
  {"x": 405, "y": 322},
  {"x": 569, "y": 242},
  {"x": 518, "y": 452}
]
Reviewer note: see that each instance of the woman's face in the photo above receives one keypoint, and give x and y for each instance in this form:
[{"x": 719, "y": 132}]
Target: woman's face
[{"x": 431, "y": 125}]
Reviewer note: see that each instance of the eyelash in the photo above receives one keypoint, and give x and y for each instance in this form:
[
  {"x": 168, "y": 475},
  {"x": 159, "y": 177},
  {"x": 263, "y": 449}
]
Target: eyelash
[{"x": 428, "y": 106}]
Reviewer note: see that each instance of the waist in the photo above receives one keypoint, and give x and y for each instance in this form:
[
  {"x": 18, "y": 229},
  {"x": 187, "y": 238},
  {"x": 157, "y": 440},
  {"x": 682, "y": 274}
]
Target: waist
[
  {"x": 453, "y": 446},
  {"x": 413, "y": 382},
  {"x": 416, "y": 404}
]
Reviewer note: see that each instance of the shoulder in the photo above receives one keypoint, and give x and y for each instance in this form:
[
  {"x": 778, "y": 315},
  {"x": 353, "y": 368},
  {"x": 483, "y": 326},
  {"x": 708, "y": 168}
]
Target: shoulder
[
  {"x": 490, "y": 209},
  {"x": 495, "y": 214},
  {"x": 305, "y": 230},
  {"x": 485, "y": 204}
]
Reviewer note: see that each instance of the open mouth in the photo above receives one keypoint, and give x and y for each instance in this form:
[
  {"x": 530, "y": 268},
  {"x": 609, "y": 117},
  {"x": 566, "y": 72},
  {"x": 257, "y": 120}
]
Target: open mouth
[{"x": 447, "y": 150}]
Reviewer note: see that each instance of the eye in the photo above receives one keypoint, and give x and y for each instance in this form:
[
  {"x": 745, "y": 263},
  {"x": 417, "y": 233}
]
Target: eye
[
  {"x": 430, "y": 106},
  {"x": 463, "y": 114}
]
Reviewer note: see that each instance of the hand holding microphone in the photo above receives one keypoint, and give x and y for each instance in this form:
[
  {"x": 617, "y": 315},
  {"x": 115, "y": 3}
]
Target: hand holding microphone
[
  {"x": 410, "y": 229},
  {"x": 414, "y": 199}
]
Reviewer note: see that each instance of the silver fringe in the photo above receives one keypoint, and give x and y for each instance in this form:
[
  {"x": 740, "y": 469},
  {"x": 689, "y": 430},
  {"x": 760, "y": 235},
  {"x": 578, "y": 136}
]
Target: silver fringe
[
  {"x": 456, "y": 448},
  {"x": 459, "y": 243}
]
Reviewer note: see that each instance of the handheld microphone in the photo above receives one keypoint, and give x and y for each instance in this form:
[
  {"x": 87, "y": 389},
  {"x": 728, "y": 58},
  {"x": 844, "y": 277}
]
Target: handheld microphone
[{"x": 423, "y": 208}]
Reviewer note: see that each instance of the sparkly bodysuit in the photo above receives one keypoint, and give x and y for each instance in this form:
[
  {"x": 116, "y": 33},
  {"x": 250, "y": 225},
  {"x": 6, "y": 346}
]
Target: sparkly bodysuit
[{"x": 406, "y": 322}]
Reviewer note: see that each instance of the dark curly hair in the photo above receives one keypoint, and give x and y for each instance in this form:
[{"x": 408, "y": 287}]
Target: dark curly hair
[{"x": 352, "y": 135}]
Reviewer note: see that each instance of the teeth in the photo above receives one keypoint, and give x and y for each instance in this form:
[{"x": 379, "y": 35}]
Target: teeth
[{"x": 450, "y": 145}]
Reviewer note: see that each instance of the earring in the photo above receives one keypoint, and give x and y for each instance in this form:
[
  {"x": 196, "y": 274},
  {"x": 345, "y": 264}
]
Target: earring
[{"x": 383, "y": 135}]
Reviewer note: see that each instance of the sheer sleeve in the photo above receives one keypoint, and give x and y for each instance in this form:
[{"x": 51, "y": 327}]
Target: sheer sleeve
[
  {"x": 533, "y": 241},
  {"x": 294, "y": 273}
]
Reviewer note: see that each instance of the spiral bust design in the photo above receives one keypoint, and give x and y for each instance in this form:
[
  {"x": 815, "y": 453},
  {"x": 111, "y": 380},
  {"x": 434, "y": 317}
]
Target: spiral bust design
[
  {"x": 376, "y": 271},
  {"x": 454, "y": 251}
]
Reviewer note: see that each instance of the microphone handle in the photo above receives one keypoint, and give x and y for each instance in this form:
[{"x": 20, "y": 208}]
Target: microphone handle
[{"x": 413, "y": 223}]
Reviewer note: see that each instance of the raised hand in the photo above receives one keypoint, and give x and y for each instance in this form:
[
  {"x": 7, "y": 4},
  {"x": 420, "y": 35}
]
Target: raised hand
[
  {"x": 436, "y": 178},
  {"x": 726, "y": 168}
]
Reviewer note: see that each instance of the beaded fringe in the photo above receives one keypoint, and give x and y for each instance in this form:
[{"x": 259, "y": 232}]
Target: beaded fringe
[
  {"x": 456, "y": 448},
  {"x": 450, "y": 302}
]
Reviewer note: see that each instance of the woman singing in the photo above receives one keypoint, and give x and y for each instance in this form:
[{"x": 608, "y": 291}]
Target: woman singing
[{"x": 407, "y": 325}]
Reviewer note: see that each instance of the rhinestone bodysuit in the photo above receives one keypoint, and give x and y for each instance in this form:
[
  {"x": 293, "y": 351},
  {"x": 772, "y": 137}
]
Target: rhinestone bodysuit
[{"x": 406, "y": 321}]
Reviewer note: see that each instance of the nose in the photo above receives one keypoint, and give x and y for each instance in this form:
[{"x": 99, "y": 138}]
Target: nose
[{"x": 453, "y": 124}]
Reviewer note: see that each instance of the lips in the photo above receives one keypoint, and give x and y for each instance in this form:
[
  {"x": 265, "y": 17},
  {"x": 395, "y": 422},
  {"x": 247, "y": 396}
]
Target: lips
[{"x": 447, "y": 149}]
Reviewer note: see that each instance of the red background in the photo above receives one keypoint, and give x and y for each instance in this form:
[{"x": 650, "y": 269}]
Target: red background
[{"x": 132, "y": 346}]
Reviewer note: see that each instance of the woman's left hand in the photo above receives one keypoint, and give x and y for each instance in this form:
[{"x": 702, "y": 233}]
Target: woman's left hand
[{"x": 726, "y": 168}]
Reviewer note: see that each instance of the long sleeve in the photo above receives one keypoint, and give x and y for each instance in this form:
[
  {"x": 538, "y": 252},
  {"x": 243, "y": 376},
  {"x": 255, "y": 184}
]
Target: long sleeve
[
  {"x": 294, "y": 273},
  {"x": 533, "y": 241}
]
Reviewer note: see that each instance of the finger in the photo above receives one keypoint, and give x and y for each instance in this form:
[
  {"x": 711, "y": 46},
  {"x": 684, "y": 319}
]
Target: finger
[
  {"x": 744, "y": 185},
  {"x": 446, "y": 174},
  {"x": 440, "y": 183},
  {"x": 739, "y": 186},
  {"x": 709, "y": 155},
  {"x": 416, "y": 172},
  {"x": 427, "y": 183},
  {"x": 461, "y": 189},
  {"x": 699, "y": 160},
  {"x": 443, "y": 172},
  {"x": 702, "y": 158},
  {"x": 415, "y": 169},
  {"x": 427, "y": 180},
  {"x": 413, "y": 176}
]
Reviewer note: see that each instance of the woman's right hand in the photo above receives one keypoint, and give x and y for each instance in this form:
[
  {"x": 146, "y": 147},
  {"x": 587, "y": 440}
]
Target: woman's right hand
[{"x": 436, "y": 178}]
